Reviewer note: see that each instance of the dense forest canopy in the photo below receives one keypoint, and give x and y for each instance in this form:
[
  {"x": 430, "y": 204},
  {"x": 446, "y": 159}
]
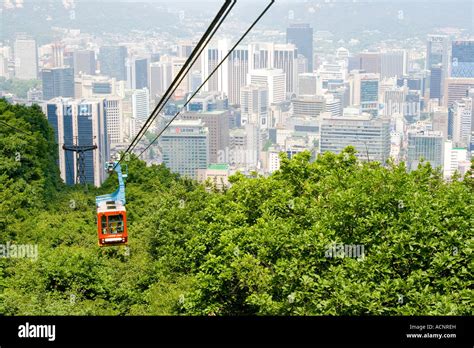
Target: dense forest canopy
[{"x": 258, "y": 248}]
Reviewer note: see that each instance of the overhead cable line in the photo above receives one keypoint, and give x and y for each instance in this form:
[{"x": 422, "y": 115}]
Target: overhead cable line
[
  {"x": 210, "y": 75},
  {"x": 205, "y": 39},
  {"x": 13, "y": 127}
]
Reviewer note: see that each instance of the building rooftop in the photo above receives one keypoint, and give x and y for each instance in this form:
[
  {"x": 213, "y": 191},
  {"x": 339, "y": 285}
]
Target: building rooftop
[{"x": 218, "y": 166}]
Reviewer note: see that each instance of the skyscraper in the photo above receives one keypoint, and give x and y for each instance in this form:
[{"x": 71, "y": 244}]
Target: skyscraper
[
  {"x": 275, "y": 81},
  {"x": 285, "y": 58},
  {"x": 185, "y": 147},
  {"x": 437, "y": 51},
  {"x": 141, "y": 73},
  {"x": 112, "y": 61},
  {"x": 393, "y": 64},
  {"x": 254, "y": 105},
  {"x": 462, "y": 58},
  {"x": 161, "y": 74},
  {"x": 80, "y": 122},
  {"x": 57, "y": 82},
  {"x": 436, "y": 80},
  {"x": 114, "y": 117},
  {"x": 232, "y": 74},
  {"x": 462, "y": 118},
  {"x": 84, "y": 62},
  {"x": 217, "y": 123},
  {"x": 370, "y": 62},
  {"x": 301, "y": 35},
  {"x": 26, "y": 59},
  {"x": 141, "y": 105},
  {"x": 456, "y": 88}
]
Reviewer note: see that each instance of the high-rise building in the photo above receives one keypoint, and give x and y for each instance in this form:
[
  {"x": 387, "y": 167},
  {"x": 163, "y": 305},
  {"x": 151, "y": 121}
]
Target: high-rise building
[
  {"x": 370, "y": 62},
  {"x": 57, "y": 55},
  {"x": 274, "y": 79},
  {"x": 112, "y": 61},
  {"x": 365, "y": 92},
  {"x": 456, "y": 89},
  {"x": 140, "y": 73},
  {"x": 217, "y": 123},
  {"x": 301, "y": 35},
  {"x": 426, "y": 145},
  {"x": 114, "y": 116},
  {"x": 80, "y": 122},
  {"x": 370, "y": 136},
  {"x": 254, "y": 105},
  {"x": 185, "y": 147},
  {"x": 436, "y": 82},
  {"x": 308, "y": 84},
  {"x": 285, "y": 58},
  {"x": 440, "y": 121},
  {"x": 393, "y": 63},
  {"x": 84, "y": 62},
  {"x": 141, "y": 105},
  {"x": 161, "y": 74},
  {"x": 462, "y": 119},
  {"x": 394, "y": 100},
  {"x": 26, "y": 59},
  {"x": 462, "y": 58},
  {"x": 57, "y": 82},
  {"x": 437, "y": 51},
  {"x": 231, "y": 75}
]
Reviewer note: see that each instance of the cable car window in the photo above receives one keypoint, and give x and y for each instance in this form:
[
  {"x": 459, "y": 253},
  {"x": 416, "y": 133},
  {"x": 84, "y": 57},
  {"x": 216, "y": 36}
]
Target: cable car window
[
  {"x": 103, "y": 221},
  {"x": 115, "y": 224}
]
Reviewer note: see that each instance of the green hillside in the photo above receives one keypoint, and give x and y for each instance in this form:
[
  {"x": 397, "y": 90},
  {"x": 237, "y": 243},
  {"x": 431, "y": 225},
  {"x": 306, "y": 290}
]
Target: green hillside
[{"x": 258, "y": 248}]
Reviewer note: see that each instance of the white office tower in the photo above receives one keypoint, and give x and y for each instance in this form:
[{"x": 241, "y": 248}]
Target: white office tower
[
  {"x": 462, "y": 119},
  {"x": 26, "y": 59},
  {"x": 333, "y": 105},
  {"x": 370, "y": 136},
  {"x": 393, "y": 64},
  {"x": 80, "y": 122},
  {"x": 454, "y": 157},
  {"x": 231, "y": 75},
  {"x": 185, "y": 147},
  {"x": 285, "y": 58},
  {"x": 274, "y": 79},
  {"x": 332, "y": 75},
  {"x": 394, "y": 101},
  {"x": 309, "y": 84},
  {"x": 278, "y": 56},
  {"x": 114, "y": 116},
  {"x": 140, "y": 108},
  {"x": 426, "y": 145},
  {"x": 308, "y": 106},
  {"x": 342, "y": 53},
  {"x": 161, "y": 75},
  {"x": 254, "y": 105}
]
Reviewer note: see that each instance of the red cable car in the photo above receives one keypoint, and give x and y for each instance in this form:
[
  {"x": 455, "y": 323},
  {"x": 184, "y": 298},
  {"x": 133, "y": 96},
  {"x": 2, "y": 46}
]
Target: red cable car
[{"x": 111, "y": 213}]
